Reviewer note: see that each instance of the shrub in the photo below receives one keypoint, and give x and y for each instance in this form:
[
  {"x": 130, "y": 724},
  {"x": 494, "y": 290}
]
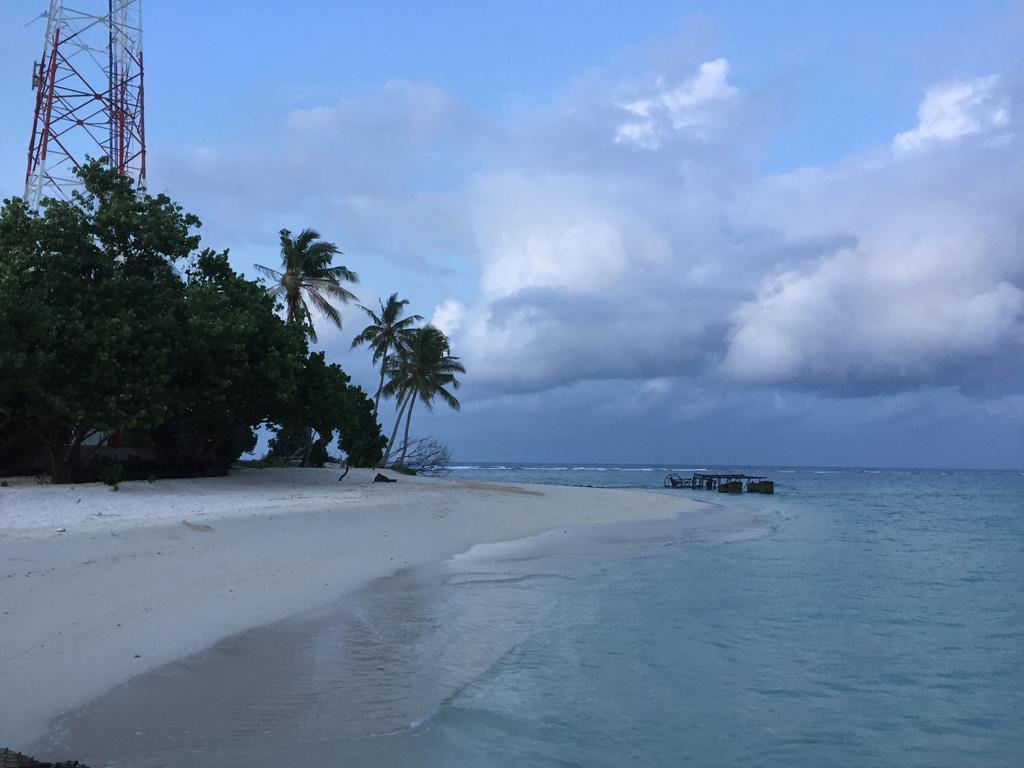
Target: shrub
[{"x": 111, "y": 474}]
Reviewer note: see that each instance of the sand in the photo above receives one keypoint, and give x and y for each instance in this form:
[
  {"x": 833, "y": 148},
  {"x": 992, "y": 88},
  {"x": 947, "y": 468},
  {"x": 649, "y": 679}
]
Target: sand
[{"x": 98, "y": 586}]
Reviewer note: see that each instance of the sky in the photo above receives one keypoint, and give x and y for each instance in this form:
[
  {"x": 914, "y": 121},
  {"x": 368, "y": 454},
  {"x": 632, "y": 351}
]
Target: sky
[{"x": 697, "y": 232}]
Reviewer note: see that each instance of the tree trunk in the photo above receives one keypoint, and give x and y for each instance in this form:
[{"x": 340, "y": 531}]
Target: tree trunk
[
  {"x": 376, "y": 399},
  {"x": 405, "y": 440},
  {"x": 64, "y": 459},
  {"x": 402, "y": 402},
  {"x": 308, "y": 448}
]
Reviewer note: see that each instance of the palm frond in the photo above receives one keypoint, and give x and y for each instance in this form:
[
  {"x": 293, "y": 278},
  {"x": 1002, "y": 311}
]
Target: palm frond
[
  {"x": 406, "y": 322},
  {"x": 332, "y": 288},
  {"x": 268, "y": 272},
  {"x": 391, "y": 309},
  {"x": 373, "y": 315},
  {"x": 288, "y": 252},
  {"x": 324, "y": 306},
  {"x": 392, "y": 388},
  {"x": 366, "y": 336},
  {"x": 450, "y": 400},
  {"x": 340, "y": 274},
  {"x": 304, "y": 317},
  {"x": 305, "y": 239}
]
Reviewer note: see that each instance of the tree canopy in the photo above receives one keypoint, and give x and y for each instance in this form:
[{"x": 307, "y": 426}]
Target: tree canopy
[
  {"x": 384, "y": 334},
  {"x": 423, "y": 369},
  {"x": 324, "y": 404},
  {"x": 307, "y": 277},
  {"x": 114, "y": 324}
]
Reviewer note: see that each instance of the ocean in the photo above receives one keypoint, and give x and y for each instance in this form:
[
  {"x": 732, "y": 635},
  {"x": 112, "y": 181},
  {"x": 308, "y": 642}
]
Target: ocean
[{"x": 859, "y": 617}]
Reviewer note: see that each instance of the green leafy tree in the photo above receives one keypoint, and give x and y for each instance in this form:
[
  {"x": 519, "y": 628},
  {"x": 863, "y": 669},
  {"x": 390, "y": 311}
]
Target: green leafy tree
[
  {"x": 325, "y": 403},
  {"x": 423, "y": 369},
  {"x": 384, "y": 334},
  {"x": 307, "y": 278},
  {"x": 289, "y": 444},
  {"x": 112, "y": 321},
  {"x": 359, "y": 434},
  {"x": 88, "y": 293},
  {"x": 235, "y": 363}
]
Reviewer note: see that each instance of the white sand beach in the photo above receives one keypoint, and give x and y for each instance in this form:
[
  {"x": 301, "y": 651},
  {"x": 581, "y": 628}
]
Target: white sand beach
[{"x": 98, "y": 586}]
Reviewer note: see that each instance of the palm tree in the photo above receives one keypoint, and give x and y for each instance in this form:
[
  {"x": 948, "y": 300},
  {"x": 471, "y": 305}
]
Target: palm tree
[
  {"x": 421, "y": 369},
  {"x": 307, "y": 277},
  {"x": 384, "y": 334}
]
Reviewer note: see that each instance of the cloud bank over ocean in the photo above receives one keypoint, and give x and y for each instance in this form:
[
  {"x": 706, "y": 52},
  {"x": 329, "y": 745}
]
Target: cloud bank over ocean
[
  {"x": 622, "y": 231},
  {"x": 660, "y": 256}
]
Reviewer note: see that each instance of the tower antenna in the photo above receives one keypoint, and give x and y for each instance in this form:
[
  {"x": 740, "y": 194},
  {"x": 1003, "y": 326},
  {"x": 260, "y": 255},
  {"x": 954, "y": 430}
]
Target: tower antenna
[{"x": 89, "y": 96}]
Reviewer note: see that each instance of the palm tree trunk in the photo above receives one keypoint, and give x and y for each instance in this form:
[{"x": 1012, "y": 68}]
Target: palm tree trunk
[
  {"x": 402, "y": 402},
  {"x": 376, "y": 399},
  {"x": 405, "y": 440}
]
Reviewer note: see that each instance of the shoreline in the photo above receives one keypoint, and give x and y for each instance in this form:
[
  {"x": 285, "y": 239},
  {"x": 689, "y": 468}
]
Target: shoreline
[
  {"x": 401, "y": 647},
  {"x": 127, "y": 587}
]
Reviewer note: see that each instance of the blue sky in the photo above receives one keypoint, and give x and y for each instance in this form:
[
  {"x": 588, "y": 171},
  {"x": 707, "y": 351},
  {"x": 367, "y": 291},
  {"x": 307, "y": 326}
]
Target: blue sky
[{"x": 703, "y": 231}]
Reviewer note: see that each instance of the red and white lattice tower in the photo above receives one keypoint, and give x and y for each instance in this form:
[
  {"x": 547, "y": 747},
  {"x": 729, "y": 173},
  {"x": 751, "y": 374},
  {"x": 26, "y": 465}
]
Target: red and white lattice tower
[{"x": 89, "y": 96}]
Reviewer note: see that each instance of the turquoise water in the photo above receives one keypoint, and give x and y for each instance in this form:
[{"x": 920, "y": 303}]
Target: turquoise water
[
  {"x": 865, "y": 617},
  {"x": 880, "y": 622}
]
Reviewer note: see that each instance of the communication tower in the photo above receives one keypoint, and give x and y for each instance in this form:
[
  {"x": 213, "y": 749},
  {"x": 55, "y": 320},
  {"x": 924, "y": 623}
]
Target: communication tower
[{"x": 89, "y": 96}]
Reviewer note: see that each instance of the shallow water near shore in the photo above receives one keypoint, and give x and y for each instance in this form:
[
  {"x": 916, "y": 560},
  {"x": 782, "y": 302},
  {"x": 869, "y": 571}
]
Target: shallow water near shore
[{"x": 855, "y": 618}]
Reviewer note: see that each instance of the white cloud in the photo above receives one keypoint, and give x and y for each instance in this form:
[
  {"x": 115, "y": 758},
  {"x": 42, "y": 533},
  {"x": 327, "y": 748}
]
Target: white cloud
[
  {"x": 954, "y": 109},
  {"x": 886, "y": 311},
  {"x": 928, "y": 289},
  {"x": 688, "y": 106},
  {"x": 556, "y": 230},
  {"x": 878, "y": 274},
  {"x": 597, "y": 261},
  {"x": 642, "y": 135},
  {"x": 448, "y": 316},
  {"x": 710, "y": 84}
]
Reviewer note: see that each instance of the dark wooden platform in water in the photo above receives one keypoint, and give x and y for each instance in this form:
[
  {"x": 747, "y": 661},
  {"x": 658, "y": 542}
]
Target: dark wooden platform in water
[
  {"x": 722, "y": 482},
  {"x": 11, "y": 759}
]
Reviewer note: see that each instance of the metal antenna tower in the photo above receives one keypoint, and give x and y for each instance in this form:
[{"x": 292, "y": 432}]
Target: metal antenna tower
[{"x": 89, "y": 97}]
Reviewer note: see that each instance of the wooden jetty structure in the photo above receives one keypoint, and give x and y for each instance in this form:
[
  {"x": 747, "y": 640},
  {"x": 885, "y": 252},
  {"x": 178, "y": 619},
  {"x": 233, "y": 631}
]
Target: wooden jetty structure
[{"x": 723, "y": 482}]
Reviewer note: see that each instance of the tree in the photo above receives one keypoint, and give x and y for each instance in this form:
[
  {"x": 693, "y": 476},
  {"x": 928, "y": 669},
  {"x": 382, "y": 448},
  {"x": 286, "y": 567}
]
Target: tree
[
  {"x": 307, "y": 278},
  {"x": 89, "y": 312},
  {"x": 384, "y": 334},
  {"x": 359, "y": 434},
  {"x": 113, "y": 322},
  {"x": 323, "y": 404},
  {"x": 422, "y": 369},
  {"x": 236, "y": 363},
  {"x": 428, "y": 457}
]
